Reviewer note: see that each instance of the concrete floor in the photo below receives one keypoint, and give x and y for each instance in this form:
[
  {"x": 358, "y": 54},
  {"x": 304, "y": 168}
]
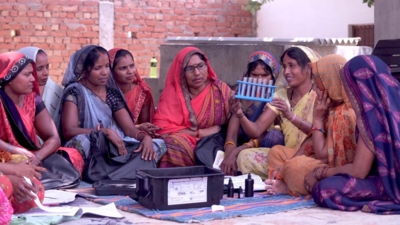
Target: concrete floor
[{"x": 301, "y": 216}]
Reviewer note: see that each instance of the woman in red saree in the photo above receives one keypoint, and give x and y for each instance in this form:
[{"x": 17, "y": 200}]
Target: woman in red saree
[
  {"x": 193, "y": 105},
  {"x": 20, "y": 111},
  {"x": 23, "y": 115},
  {"x": 135, "y": 89}
]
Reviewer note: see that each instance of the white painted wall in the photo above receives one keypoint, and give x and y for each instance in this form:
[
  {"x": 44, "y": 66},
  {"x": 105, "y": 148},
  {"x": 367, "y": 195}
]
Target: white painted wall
[{"x": 311, "y": 18}]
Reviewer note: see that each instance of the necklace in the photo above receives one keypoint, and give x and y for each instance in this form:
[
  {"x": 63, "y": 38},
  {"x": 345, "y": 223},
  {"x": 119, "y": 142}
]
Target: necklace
[
  {"x": 99, "y": 94},
  {"x": 295, "y": 103}
]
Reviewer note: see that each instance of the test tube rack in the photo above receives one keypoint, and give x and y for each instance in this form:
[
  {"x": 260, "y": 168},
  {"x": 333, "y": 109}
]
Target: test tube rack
[{"x": 256, "y": 92}]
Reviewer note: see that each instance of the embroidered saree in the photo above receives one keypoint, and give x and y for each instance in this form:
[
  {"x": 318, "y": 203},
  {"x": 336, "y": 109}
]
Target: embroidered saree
[
  {"x": 176, "y": 113},
  {"x": 139, "y": 96},
  {"x": 374, "y": 94},
  {"x": 340, "y": 132}
]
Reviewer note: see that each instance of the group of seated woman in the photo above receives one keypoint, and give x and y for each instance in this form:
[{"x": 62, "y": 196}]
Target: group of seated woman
[{"x": 315, "y": 137}]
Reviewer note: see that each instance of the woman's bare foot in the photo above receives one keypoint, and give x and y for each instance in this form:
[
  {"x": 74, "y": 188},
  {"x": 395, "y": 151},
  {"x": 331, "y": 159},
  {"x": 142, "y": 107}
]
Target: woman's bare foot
[{"x": 276, "y": 187}]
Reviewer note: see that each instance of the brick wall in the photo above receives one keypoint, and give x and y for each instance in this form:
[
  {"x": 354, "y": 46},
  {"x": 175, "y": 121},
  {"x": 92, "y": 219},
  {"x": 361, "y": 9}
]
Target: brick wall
[{"x": 61, "y": 27}]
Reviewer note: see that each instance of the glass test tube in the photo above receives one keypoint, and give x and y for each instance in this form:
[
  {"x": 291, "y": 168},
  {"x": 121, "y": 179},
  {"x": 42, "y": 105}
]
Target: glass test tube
[
  {"x": 253, "y": 89},
  {"x": 243, "y": 86},
  {"x": 249, "y": 87},
  {"x": 264, "y": 81}
]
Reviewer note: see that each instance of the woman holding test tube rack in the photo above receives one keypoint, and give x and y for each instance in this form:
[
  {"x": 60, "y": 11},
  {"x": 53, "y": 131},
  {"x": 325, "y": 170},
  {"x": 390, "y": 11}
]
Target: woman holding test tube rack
[
  {"x": 262, "y": 68},
  {"x": 292, "y": 105}
]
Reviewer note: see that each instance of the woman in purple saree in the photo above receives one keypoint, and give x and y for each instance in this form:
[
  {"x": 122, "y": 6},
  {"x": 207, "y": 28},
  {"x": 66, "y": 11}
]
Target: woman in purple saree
[{"x": 371, "y": 183}]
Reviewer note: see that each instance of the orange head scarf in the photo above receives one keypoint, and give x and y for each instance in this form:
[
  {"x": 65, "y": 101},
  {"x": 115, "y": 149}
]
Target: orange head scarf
[
  {"x": 172, "y": 113},
  {"x": 341, "y": 140},
  {"x": 133, "y": 103},
  {"x": 326, "y": 73}
]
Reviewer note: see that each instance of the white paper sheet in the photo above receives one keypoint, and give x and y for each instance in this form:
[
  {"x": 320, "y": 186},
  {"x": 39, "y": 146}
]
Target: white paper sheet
[
  {"x": 239, "y": 181},
  {"x": 108, "y": 210},
  {"x": 52, "y": 197}
]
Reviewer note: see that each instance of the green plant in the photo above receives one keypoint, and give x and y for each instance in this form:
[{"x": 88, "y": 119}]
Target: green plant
[
  {"x": 254, "y": 5},
  {"x": 369, "y": 2}
]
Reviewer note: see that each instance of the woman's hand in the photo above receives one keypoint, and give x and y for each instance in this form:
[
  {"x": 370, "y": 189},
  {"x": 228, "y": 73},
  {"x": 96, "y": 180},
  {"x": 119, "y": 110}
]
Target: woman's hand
[
  {"x": 24, "y": 170},
  {"x": 282, "y": 106},
  {"x": 209, "y": 131},
  {"x": 116, "y": 140},
  {"x": 229, "y": 164},
  {"x": 309, "y": 181},
  {"x": 147, "y": 146},
  {"x": 235, "y": 107},
  {"x": 36, "y": 160},
  {"x": 22, "y": 151},
  {"x": 321, "y": 107},
  {"x": 22, "y": 190},
  {"x": 150, "y": 129}
]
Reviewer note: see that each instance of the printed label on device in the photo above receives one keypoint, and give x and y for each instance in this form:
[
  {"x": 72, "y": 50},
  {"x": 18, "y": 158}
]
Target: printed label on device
[{"x": 185, "y": 191}]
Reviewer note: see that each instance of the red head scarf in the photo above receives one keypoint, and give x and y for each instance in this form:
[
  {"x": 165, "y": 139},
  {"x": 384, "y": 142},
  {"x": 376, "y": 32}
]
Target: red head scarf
[
  {"x": 172, "y": 112},
  {"x": 135, "y": 102},
  {"x": 11, "y": 64}
]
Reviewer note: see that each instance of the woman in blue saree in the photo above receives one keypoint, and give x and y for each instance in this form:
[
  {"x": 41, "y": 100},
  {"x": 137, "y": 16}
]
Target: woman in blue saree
[
  {"x": 92, "y": 102},
  {"x": 261, "y": 65},
  {"x": 371, "y": 183}
]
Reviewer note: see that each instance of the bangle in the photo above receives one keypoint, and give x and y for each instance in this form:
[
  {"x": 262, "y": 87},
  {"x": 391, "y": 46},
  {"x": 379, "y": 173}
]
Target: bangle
[
  {"x": 255, "y": 143},
  {"x": 9, "y": 147},
  {"x": 137, "y": 134},
  {"x": 294, "y": 116},
  {"x": 230, "y": 143},
  {"x": 197, "y": 133},
  {"x": 316, "y": 128},
  {"x": 248, "y": 144},
  {"x": 37, "y": 155},
  {"x": 301, "y": 124}
]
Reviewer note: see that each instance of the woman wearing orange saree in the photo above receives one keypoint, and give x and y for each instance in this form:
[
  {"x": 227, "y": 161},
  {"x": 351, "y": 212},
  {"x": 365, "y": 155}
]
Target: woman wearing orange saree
[
  {"x": 333, "y": 140},
  {"x": 193, "y": 105}
]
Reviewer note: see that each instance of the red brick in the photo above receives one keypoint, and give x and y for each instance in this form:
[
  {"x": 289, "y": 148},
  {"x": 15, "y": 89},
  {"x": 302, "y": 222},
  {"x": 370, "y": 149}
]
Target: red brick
[
  {"x": 58, "y": 33},
  {"x": 154, "y": 4},
  {"x": 87, "y": 9},
  {"x": 121, "y": 10},
  {"x": 167, "y": 11},
  {"x": 181, "y": 11},
  {"x": 92, "y": 3},
  {"x": 196, "y": 24},
  {"x": 90, "y": 34},
  {"x": 70, "y": 8},
  {"x": 146, "y": 29},
  {"x": 160, "y": 29},
  {"x": 7, "y": 46},
  {"x": 152, "y": 22},
  {"x": 53, "y": 8},
  {"x": 5, "y": 7},
  {"x": 56, "y": 47},
  {"x": 76, "y": 2},
  {"x": 87, "y": 21},
  {"x": 16, "y": 19},
  {"x": 152, "y": 10},
  {"x": 37, "y": 20},
  {"x": 210, "y": 24}
]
